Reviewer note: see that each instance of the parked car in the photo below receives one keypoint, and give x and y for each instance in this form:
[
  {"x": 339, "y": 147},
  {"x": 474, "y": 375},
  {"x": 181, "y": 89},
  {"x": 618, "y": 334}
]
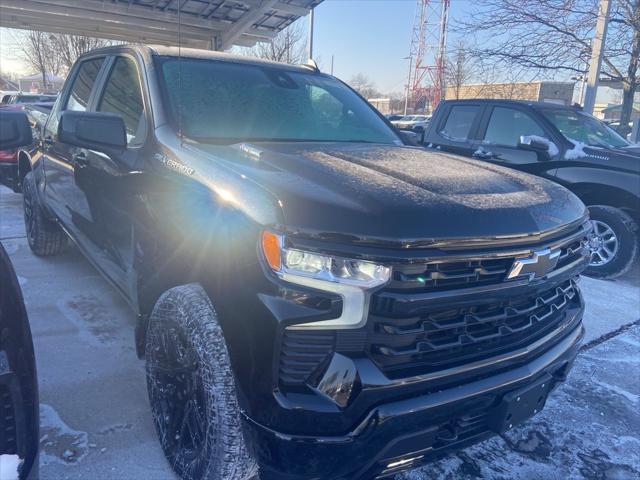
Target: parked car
[
  {"x": 5, "y": 95},
  {"x": 392, "y": 117},
  {"x": 18, "y": 100},
  {"x": 562, "y": 144},
  {"x": 311, "y": 300},
  {"x": 415, "y": 123},
  {"x": 19, "y": 417},
  {"x": 14, "y": 163}
]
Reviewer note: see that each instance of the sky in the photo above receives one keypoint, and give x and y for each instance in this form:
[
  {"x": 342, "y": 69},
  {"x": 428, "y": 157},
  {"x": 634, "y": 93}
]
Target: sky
[{"x": 370, "y": 37}]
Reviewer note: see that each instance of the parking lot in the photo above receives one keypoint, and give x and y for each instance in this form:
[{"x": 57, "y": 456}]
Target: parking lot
[{"x": 95, "y": 420}]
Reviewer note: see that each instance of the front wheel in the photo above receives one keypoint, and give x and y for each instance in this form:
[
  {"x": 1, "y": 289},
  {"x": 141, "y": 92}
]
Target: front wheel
[
  {"x": 613, "y": 242},
  {"x": 45, "y": 237},
  {"x": 192, "y": 389}
]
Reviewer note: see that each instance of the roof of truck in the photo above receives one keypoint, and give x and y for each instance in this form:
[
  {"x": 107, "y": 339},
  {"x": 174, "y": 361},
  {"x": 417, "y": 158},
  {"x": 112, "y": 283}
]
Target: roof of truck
[
  {"x": 531, "y": 103},
  {"x": 163, "y": 51}
]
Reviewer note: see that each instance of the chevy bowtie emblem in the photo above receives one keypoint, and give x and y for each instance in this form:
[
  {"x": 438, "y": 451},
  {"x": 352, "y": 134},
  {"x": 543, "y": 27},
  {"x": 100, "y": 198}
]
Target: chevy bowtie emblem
[{"x": 537, "y": 265}]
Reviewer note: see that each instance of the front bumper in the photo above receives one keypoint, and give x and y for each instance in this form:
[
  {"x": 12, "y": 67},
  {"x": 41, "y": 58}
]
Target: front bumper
[{"x": 406, "y": 433}]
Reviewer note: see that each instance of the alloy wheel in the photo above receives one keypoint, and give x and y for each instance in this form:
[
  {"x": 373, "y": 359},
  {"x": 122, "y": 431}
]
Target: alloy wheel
[{"x": 603, "y": 244}]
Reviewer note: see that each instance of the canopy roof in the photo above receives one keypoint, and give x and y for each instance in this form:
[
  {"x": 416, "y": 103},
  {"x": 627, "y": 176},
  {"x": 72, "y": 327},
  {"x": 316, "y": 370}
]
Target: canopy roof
[{"x": 215, "y": 24}]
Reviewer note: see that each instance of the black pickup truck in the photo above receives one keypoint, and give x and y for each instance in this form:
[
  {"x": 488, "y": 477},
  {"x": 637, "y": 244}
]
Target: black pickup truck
[
  {"x": 562, "y": 144},
  {"x": 314, "y": 299}
]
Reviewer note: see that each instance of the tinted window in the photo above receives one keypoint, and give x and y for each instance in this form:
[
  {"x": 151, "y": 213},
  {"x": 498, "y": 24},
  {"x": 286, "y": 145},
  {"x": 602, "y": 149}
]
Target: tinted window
[
  {"x": 459, "y": 122},
  {"x": 123, "y": 96},
  {"x": 226, "y": 102},
  {"x": 506, "y": 125},
  {"x": 82, "y": 85}
]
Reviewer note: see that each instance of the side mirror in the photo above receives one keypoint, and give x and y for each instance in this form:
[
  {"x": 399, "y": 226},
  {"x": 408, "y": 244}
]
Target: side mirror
[
  {"x": 15, "y": 130},
  {"x": 543, "y": 147},
  {"x": 103, "y": 132},
  {"x": 410, "y": 138}
]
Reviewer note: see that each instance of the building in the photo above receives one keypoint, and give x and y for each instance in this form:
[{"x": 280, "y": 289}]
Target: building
[
  {"x": 612, "y": 113},
  {"x": 34, "y": 83},
  {"x": 382, "y": 104},
  {"x": 553, "y": 92}
]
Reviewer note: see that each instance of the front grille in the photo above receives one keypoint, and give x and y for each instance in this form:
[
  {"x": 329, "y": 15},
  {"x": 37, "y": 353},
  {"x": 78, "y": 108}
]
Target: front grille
[
  {"x": 448, "y": 275},
  {"x": 447, "y": 337},
  {"x": 302, "y": 352}
]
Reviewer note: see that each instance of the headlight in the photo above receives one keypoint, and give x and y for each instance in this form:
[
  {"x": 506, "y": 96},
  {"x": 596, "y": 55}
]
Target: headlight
[{"x": 349, "y": 278}]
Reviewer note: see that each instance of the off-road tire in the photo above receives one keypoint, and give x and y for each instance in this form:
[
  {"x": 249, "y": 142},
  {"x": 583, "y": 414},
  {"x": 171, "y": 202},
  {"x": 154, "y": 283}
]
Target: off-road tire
[
  {"x": 45, "y": 237},
  {"x": 626, "y": 231},
  {"x": 187, "y": 363}
]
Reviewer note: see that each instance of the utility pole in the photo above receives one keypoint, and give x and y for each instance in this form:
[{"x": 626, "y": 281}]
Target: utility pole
[
  {"x": 597, "y": 52},
  {"x": 331, "y": 64},
  {"x": 406, "y": 92},
  {"x": 310, "y": 41}
]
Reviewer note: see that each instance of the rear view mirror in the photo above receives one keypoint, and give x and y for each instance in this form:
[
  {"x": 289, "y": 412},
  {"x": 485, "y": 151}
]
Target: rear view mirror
[
  {"x": 103, "y": 132},
  {"x": 15, "y": 130}
]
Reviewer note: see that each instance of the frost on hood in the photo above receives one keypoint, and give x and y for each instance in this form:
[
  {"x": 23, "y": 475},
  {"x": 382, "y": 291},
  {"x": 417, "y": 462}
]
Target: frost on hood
[
  {"x": 10, "y": 467},
  {"x": 553, "y": 148}
]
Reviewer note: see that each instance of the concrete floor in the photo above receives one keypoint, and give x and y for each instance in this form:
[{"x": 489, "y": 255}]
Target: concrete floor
[{"x": 95, "y": 415}]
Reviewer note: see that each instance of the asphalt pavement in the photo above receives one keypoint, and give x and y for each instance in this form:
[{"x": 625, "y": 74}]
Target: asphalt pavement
[{"x": 96, "y": 424}]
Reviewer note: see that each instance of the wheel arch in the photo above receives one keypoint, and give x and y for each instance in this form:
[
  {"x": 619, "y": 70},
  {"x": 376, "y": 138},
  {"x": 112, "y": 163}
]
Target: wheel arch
[
  {"x": 24, "y": 165},
  {"x": 598, "y": 194}
]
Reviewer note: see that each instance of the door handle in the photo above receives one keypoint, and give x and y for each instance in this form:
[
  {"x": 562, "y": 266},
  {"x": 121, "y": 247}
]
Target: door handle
[{"x": 80, "y": 159}]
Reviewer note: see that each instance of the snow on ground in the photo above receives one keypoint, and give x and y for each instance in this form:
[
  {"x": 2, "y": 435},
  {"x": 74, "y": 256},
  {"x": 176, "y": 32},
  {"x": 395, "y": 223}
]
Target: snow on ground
[{"x": 96, "y": 421}]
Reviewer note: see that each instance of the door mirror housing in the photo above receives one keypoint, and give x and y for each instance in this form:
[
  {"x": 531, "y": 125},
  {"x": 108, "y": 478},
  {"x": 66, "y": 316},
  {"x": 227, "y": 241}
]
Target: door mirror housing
[
  {"x": 15, "y": 130},
  {"x": 409, "y": 137},
  {"x": 543, "y": 147},
  {"x": 102, "y": 132}
]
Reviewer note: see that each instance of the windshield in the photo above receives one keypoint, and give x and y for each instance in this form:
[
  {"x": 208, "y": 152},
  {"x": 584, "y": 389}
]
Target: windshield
[
  {"x": 584, "y": 128},
  {"x": 223, "y": 102}
]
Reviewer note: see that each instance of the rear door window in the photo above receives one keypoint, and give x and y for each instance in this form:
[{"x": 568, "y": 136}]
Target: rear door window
[
  {"x": 507, "y": 125},
  {"x": 83, "y": 84},
  {"x": 459, "y": 122}
]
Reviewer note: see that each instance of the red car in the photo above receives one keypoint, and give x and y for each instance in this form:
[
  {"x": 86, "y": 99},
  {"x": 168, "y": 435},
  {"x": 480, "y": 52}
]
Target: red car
[{"x": 34, "y": 105}]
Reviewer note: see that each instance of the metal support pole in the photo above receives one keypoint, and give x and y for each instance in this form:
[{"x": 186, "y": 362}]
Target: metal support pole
[
  {"x": 597, "y": 52},
  {"x": 406, "y": 93},
  {"x": 310, "y": 41}
]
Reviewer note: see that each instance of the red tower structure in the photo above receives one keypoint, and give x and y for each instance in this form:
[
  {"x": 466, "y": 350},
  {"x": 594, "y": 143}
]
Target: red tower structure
[{"x": 426, "y": 82}]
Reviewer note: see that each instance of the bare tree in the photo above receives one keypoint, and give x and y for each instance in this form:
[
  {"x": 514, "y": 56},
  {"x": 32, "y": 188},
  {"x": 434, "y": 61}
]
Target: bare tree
[
  {"x": 289, "y": 46},
  {"x": 364, "y": 86},
  {"x": 69, "y": 47},
  {"x": 458, "y": 71},
  {"x": 552, "y": 37},
  {"x": 39, "y": 54}
]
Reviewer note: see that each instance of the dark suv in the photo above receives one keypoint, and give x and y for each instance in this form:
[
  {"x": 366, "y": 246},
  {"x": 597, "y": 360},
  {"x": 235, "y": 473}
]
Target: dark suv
[
  {"x": 562, "y": 144},
  {"x": 315, "y": 300}
]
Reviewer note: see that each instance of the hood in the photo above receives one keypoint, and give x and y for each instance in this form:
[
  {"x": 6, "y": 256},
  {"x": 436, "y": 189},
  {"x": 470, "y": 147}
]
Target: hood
[{"x": 394, "y": 193}]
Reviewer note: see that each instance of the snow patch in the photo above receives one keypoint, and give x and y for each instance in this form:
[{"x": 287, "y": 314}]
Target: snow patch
[
  {"x": 553, "y": 148},
  {"x": 9, "y": 467},
  {"x": 578, "y": 150},
  {"x": 59, "y": 442}
]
